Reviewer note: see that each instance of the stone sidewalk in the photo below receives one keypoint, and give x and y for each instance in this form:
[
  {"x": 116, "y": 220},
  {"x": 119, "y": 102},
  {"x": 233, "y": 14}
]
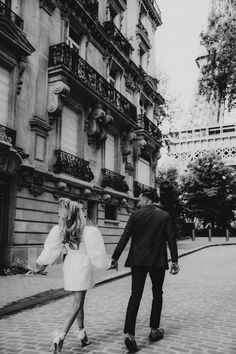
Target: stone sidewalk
[
  {"x": 19, "y": 292},
  {"x": 199, "y": 313}
]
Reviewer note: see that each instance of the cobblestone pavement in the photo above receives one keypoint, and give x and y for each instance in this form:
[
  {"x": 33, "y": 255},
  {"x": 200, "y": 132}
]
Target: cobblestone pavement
[
  {"x": 16, "y": 287},
  {"x": 199, "y": 313}
]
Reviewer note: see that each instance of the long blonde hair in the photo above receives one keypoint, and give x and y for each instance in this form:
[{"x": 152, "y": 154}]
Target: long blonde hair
[{"x": 74, "y": 221}]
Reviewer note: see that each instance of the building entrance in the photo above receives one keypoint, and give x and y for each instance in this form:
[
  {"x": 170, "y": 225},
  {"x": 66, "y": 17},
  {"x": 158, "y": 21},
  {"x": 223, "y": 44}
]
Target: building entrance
[{"x": 4, "y": 207}]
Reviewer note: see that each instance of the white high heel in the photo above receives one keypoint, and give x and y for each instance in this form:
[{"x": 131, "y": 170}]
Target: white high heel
[
  {"x": 83, "y": 338},
  {"x": 58, "y": 339}
]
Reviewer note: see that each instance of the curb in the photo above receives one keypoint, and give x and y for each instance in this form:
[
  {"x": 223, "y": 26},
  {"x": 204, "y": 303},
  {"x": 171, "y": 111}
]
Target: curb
[{"x": 55, "y": 294}]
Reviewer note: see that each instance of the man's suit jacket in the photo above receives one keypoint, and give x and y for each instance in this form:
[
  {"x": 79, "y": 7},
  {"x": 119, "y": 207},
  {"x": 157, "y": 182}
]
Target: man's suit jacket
[{"x": 150, "y": 228}]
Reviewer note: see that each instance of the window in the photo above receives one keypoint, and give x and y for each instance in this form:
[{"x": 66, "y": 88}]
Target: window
[
  {"x": 115, "y": 75},
  {"x": 4, "y": 94},
  {"x": 92, "y": 212},
  {"x": 73, "y": 40},
  {"x": 143, "y": 172},
  {"x": 70, "y": 131},
  {"x": 110, "y": 212},
  {"x": 7, "y": 3},
  {"x": 110, "y": 152}
]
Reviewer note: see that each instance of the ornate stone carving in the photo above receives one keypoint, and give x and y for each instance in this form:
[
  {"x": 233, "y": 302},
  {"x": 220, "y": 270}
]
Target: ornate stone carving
[
  {"x": 156, "y": 155},
  {"x": 127, "y": 139},
  {"x": 98, "y": 120},
  {"x": 48, "y": 5},
  {"x": 139, "y": 144},
  {"x": 56, "y": 92},
  {"x": 21, "y": 69}
]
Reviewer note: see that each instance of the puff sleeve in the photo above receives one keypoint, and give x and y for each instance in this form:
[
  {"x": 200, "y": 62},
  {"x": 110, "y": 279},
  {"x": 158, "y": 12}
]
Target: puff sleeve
[
  {"x": 95, "y": 247},
  {"x": 52, "y": 247}
]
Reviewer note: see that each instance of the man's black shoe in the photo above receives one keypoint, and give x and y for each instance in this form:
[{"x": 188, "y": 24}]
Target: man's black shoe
[
  {"x": 156, "y": 334},
  {"x": 131, "y": 344}
]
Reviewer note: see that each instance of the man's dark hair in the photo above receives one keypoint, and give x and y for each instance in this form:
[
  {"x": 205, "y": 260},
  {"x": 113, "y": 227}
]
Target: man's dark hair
[{"x": 152, "y": 195}]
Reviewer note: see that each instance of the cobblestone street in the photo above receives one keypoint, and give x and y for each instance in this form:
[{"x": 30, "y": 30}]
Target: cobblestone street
[{"x": 199, "y": 313}]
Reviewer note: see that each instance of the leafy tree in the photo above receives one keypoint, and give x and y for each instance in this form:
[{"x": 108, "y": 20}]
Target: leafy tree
[
  {"x": 219, "y": 73},
  {"x": 208, "y": 189},
  {"x": 169, "y": 194}
]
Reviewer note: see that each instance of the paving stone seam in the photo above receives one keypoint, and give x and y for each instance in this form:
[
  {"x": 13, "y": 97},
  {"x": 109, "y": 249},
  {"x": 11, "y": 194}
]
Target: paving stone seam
[{"x": 56, "y": 294}]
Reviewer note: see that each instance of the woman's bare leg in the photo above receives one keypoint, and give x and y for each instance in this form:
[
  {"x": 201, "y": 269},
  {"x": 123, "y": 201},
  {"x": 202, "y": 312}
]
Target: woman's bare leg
[
  {"x": 76, "y": 308},
  {"x": 80, "y": 318}
]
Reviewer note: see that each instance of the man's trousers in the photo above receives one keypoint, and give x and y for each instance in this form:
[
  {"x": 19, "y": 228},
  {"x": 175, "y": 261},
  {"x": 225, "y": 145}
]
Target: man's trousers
[{"x": 139, "y": 275}]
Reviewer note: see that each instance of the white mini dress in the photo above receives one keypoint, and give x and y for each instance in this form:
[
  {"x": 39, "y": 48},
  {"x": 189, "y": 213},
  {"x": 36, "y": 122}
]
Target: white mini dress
[{"x": 78, "y": 267}]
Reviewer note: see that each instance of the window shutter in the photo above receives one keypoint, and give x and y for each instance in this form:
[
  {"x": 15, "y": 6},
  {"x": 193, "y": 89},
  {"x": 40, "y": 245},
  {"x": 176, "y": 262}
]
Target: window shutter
[
  {"x": 4, "y": 95},
  {"x": 70, "y": 131},
  {"x": 110, "y": 152},
  {"x": 143, "y": 172}
]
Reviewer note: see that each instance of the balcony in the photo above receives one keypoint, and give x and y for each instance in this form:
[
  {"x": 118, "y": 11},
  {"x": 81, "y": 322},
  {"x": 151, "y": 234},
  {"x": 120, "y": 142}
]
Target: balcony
[
  {"x": 11, "y": 16},
  {"x": 140, "y": 188},
  {"x": 154, "y": 11},
  {"x": 117, "y": 37},
  {"x": 114, "y": 180},
  {"x": 7, "y": 135},
  {"x": 61, "y": 56},
  {"x": 149, "y": 127},
  {"x": 91, "y": 6},
  {"x": 143, "y": 34},
  {"x": 72, "y": 165}
]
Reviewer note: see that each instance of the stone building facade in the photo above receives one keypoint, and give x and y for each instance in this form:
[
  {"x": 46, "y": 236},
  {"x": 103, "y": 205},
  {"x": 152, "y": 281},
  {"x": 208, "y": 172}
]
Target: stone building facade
[{"x": 78, "y": 115}]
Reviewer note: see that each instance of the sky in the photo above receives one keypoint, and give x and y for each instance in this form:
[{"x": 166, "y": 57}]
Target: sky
[{"x": 178, "y": 44}]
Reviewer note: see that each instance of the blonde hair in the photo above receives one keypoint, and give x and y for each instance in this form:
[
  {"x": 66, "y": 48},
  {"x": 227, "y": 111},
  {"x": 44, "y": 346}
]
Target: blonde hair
[{"x": 74, "y": 221}]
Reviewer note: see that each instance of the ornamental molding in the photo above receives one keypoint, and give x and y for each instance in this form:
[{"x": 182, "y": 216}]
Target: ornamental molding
[
  {"x": 128, "y": 138},
  {"x": 57, "y": 91},
  {"x": 39, "y": 125},
  {"x": 98, "y": 121}
]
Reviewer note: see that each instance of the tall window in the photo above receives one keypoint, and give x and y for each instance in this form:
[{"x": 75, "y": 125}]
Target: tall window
[
  {"x": 143, "y": 172},
  {"x": 110, "y": 152},
  {"x": 92, "y": 212},
  {"x": 73, "y": 40},
  {"x": 7, "y": 3},
  {"x": 4, "y": 94},
  {"x": 70, "y": 131},
  {"x": 115, "y": 75}
]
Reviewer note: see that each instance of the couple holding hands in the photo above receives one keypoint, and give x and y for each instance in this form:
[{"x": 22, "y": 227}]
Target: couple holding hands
[{"x": 150, "y": 229}]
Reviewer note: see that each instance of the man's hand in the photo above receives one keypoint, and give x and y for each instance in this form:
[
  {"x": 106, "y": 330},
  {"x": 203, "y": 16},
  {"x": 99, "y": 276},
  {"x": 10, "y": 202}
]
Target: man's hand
[
  {"x": 114, "y": 265},
  {"x": 174, "y": 269},
  {"x": 37, "y": 270}
]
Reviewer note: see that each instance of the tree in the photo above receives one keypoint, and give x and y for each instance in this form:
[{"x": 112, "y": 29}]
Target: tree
[
  {"x": 219, "y": 73},
  {"x": 208, "y": 189},
  {"x": 169, "y": 195}
]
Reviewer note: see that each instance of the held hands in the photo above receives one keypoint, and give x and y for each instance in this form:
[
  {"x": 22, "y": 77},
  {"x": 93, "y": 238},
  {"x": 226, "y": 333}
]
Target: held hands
[
  {"x": 114, "y": 265},
  {"x": 174, "y": 269},
  {"x": 37, "y": 270}
]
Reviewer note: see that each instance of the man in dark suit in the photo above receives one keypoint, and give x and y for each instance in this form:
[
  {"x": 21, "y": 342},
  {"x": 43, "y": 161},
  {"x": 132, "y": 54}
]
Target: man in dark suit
[{"x": 149, "y": 229}]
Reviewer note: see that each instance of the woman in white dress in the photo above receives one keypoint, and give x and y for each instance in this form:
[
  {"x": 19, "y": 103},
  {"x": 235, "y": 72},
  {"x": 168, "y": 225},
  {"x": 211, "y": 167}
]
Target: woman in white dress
[{"x": 85, "y": 248}]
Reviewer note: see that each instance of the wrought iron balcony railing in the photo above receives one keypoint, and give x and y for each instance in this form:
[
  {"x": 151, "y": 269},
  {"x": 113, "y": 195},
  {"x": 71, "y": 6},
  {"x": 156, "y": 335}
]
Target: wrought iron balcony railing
[
  {"x": 118, "y": 38},
  {"x": 145, "y": 123},
  {"x": 10, "y": 15},
  {"x": 7, "y": 134},
  {"x": 144, "y": 33},
  {"x": 140, "y": 188},
  {"x": 72, "y": 165},
  {"x": 114, "y": 180},
  {"x": 91, "y": 6},
  {"x": 62, "y": 54}
]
